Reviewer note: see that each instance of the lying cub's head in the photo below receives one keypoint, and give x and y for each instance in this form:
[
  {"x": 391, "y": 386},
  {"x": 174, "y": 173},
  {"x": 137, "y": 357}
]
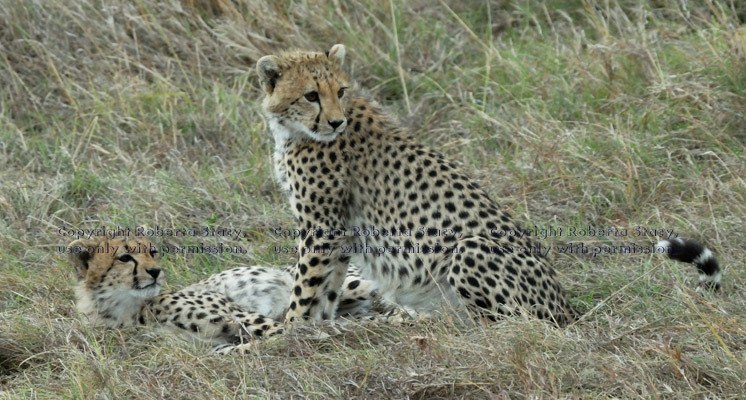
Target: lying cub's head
[
  {"x": 305, "y": 92},
  {"x": 115, "y": 277}
]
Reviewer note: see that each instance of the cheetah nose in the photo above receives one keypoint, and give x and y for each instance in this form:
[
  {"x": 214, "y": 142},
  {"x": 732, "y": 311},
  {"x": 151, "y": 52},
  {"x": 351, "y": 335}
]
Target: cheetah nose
[
  {"x": 154, "y": 272},
  {"x": 337, "y": 123}
]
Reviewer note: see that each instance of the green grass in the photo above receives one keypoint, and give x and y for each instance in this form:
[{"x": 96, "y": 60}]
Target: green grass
[{"x": 620, "y": 113}]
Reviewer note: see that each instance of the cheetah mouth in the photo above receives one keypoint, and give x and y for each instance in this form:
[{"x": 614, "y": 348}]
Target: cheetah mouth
[
  {"x": 335, "y": 131},
  {"x": 154, "y": 284},
  {"x": 325, "y": 136}
]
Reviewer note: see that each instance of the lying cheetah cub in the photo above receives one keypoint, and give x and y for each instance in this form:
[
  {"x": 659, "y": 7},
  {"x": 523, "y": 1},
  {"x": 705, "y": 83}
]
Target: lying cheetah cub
[
  {"x": 442, "y": 242},
  {"x": 267, "y": 291},
  {"x": 119, "y": 284}
]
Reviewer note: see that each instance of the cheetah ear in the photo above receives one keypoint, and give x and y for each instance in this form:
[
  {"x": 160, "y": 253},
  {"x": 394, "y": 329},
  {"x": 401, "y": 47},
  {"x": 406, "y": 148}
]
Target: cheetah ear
[
  {"x": 268, "y": 68},
  {"x": 79, "y": 253},
  {"x": 337, "y": 53}
]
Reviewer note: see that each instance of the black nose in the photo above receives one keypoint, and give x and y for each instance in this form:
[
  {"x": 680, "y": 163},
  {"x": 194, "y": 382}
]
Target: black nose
[
  {"x": 337, "y": 123},
  {"x": 154, "y": 272}
]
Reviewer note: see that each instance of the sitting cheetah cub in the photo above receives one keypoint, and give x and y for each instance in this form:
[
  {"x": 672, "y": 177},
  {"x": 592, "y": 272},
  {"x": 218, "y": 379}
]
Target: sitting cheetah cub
[
  {"x": 437, "y": 239},
  {"x": 119, "y": 285}
]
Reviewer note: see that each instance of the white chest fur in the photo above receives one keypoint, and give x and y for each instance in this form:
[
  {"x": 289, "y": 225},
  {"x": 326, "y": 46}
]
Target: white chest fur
[{"x": 283, "y": 142}]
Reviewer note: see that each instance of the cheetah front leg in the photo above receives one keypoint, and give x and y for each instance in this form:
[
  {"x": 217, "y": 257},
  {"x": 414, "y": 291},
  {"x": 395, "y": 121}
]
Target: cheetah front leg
[
  {"x": 324, "y": 248},
  {"x": 358, "y": 295},
  {"x": 243, "y": 329},
  {"x": 210, "y": 316},
  {"x": 322, "y": 268}
]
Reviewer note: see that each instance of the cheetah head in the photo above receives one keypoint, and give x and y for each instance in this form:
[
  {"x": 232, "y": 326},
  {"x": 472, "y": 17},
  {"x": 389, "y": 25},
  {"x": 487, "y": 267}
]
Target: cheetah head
[
  {"x": 115, "y": 277},
  {"x": 305, "y": 93}
]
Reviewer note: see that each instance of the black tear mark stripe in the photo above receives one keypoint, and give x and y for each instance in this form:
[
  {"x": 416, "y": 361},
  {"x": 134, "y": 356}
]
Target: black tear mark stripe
[
  {"x": 318, "y": 116},
  {"x": 135, "y": 281}
]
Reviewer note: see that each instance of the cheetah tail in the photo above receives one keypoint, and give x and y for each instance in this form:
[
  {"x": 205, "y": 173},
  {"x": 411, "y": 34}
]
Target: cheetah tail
[{"x": 697, "y": 254}]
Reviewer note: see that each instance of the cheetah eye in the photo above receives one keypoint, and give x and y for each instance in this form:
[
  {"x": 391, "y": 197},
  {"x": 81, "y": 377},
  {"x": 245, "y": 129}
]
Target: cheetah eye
[
  {"x": 341, "y": 92},
  {"x": 312, "y": 97},
  {"x": 126, "y": 258}
]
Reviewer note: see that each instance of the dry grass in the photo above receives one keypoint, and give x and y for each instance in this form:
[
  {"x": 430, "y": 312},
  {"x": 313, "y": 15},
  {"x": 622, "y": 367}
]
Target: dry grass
[{"x": 615, "y": 113}]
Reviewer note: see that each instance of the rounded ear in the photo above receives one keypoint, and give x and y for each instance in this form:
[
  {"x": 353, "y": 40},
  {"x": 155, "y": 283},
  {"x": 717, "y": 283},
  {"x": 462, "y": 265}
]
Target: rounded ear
[
  {"x": 337, "y": 53},
  {"x": 269, "y": 72},
  {"x": 79, "y": 253}
]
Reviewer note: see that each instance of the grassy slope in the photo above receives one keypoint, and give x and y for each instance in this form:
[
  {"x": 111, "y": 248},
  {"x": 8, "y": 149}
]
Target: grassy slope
[{"x": 619, "y": 115}]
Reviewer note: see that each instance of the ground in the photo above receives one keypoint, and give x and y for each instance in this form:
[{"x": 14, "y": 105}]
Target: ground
[{"x": 622, "y": 115}]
